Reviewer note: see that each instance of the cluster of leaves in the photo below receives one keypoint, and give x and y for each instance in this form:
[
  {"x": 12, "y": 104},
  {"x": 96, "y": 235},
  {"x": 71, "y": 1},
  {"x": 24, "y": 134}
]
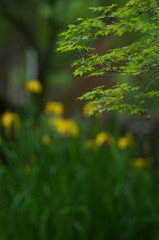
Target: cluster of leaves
[{"x": 139, "y": 59}]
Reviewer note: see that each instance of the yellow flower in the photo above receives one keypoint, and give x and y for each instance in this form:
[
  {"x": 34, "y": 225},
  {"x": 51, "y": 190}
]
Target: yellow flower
[
  {"x": 46, "y": 140},
  {"x": 34, "y": 86},
  {"x": 10, "y": 119},
  {"x": 7, "y": 119},
  {"x": 138, "y": 162},
  {"x": 54, "y": 108},
  {"x": 65, "y": 126},
  {"x": 71, "y": 127},
  {"x": 59, "y": 124},
  {"x": 103, "y": 137},
  {"x": 88, "y": 108},
  {"x": 125, "y": 142}
]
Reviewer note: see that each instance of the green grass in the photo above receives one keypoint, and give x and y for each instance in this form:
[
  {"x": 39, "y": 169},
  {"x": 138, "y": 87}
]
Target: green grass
[{"x": 58, "y": 189}]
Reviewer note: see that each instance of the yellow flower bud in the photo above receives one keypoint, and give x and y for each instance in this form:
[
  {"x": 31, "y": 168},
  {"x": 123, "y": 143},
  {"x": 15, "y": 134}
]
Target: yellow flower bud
[
  {"x": 34, "y": 86},
  {"x": 55, "y": 108}
]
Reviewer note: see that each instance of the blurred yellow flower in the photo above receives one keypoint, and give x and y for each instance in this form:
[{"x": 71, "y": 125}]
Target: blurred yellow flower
[
  {"x": 59, "y": 124},
  {"x": 138, "y": 162},
  {"x": 9, "y": 120},
  {"x": 34, "y": 86},
  {"x": 87, "y": 109},
  {"x": 46, "y": 140},
  {"x": 125, "y": 142},
  {"x": 103, "y": 137},
  {"x": 65, "y": 126},
  {"x": 54, "y": 108},
  {"x": 71, "y": 127}
]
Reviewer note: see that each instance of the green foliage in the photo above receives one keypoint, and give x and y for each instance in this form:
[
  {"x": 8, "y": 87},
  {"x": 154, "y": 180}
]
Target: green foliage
[
  {"x": 72, "y": 179},
  {"x": 139, "y": 59},
  {"x": 92, "y": 185}
]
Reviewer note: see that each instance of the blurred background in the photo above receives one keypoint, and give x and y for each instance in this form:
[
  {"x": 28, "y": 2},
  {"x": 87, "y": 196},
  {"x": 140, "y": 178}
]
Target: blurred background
[
  {"x": 63, "y": 174},
  {"x": 28, "y": 41}
]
